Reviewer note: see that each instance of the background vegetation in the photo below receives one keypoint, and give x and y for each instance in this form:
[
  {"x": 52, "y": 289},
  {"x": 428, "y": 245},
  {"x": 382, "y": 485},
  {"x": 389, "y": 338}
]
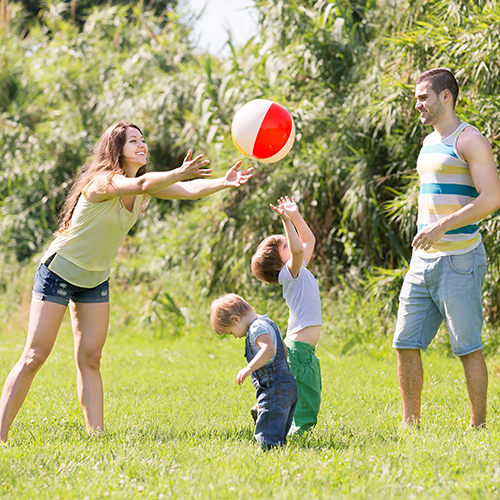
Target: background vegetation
[
  {"x": 178, "y": 426},
  {"x": 345, "y": 70}
]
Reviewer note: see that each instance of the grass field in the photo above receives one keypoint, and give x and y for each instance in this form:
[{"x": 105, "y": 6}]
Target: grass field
[{"x": 178, "y": 426}]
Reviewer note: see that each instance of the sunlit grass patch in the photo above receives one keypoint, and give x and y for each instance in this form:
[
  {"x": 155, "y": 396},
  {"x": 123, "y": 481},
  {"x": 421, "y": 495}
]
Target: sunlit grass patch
[{"x": 178, "y": 426}]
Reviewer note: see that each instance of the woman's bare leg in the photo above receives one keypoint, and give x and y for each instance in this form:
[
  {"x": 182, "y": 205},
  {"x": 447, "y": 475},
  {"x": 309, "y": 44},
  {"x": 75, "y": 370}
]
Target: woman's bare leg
[
  {"x": 44, "y": 323},
  {"x": 90, "y": 328}
]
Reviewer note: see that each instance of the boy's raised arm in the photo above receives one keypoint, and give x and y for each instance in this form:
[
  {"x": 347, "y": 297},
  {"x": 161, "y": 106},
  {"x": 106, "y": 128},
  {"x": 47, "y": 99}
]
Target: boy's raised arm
[
  {"x": 306, "y": 235},
  {"x": 296, "y": 248},
  {"x": 294, "y": 242}
]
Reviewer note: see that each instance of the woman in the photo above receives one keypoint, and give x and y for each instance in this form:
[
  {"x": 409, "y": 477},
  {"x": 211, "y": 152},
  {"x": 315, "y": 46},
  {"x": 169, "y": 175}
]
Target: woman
[{"x": 100, "y": 209}]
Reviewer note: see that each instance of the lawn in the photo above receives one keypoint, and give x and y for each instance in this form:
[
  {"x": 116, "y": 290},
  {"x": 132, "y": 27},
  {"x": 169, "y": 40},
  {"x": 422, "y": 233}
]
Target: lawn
[{"x": 178, "y": 426}]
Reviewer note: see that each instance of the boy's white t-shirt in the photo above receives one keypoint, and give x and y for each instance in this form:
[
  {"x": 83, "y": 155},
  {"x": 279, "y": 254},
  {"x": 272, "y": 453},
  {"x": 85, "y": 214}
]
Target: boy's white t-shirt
[
  {"x": 257, "y": 328},
  {"x": 302, "y": 298}
]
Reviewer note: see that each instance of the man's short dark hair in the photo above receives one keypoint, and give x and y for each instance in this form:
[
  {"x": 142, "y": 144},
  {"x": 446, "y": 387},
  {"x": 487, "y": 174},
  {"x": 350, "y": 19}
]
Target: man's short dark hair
[{"x": 440, "y": 79}]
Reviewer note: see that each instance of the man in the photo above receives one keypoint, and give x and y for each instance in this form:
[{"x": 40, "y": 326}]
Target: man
[{"x": 459, "y": 185}]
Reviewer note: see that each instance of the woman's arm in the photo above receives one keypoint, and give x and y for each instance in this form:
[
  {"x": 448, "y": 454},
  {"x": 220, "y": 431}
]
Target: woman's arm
[
  {"x": 104, "y": 188},
  {"x": 200, "y": 188}
]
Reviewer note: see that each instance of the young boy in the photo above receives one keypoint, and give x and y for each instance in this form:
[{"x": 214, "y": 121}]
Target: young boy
[
  {"x": 266, "y": 356},
  {"x": 283, "y": 260}
]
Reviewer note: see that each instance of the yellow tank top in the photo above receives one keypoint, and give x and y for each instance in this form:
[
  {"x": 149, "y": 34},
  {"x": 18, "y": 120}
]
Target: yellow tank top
[{"x": 84, "y": 251}]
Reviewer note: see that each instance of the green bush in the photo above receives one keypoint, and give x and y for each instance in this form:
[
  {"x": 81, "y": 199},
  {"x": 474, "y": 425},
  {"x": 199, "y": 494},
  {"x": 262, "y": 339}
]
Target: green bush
[{"x": 344, "y": 69}]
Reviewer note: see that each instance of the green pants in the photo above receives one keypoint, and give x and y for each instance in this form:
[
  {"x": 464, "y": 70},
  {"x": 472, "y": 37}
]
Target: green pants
[{"x": 304, "y": 365}]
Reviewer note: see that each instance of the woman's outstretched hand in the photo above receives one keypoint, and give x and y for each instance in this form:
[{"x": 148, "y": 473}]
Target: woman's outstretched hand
[
  {"x": 194, "y": 168},
  {"x": 235, "y": 178}
]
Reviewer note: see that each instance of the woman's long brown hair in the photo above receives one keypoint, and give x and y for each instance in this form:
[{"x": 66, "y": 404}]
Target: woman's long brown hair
[{"x": 108, "y": 158}]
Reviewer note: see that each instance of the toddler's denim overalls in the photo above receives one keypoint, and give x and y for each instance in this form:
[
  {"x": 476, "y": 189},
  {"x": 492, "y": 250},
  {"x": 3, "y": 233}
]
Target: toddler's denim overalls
[{"x": 276, "y": 395}]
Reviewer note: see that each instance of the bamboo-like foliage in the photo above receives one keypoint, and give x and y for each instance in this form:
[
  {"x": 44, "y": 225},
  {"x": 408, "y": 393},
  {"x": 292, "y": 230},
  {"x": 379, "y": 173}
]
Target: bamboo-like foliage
[
  {"x": 345, "y": 69},
  {"x": 62, "y": 86}
]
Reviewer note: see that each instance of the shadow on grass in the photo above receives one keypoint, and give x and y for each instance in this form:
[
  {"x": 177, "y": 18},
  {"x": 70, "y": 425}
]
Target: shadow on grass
[
  {"x": 189, "y": 434},
  {"x": 343, "y": 437},
  {"x": 340, "y": 437},
  {"x": 44, "y": 432}
]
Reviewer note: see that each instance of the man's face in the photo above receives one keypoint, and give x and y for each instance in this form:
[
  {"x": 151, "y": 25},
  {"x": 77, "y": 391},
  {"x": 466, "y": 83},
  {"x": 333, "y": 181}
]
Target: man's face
[{"x": 429, "y": 104}]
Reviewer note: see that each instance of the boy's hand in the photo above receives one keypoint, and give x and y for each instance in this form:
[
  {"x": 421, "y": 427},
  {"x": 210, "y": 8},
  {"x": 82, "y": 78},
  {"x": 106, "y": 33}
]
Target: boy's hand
[
  {"x": 288, "y": 206},
  {"x": 280, "y": 211},
  {"x": 242, "y": 375}
]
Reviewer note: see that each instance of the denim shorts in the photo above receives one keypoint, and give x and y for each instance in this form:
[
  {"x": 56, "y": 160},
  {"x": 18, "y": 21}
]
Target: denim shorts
[
  {"x": 440, "y": 288},
  {"x": 51, "y": 287}
]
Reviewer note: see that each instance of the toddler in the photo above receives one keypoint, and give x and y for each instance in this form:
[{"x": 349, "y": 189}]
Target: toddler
[{"x": 267, "y": 365}]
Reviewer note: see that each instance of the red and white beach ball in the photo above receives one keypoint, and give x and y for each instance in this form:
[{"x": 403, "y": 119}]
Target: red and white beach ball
[{"x": 263, "y": 130}]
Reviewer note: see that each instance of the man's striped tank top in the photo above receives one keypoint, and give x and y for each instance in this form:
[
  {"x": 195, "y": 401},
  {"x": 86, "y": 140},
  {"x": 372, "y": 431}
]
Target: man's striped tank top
[{"x": 445, "y": 187}]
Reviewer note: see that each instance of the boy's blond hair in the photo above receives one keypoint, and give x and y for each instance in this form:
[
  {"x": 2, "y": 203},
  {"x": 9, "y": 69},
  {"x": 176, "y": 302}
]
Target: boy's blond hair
[
  {"x": 226, "y": 306},
  {"x": 266, "y": 262}
]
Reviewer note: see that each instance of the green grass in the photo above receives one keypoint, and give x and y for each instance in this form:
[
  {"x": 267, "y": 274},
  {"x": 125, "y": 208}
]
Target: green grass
[{"x": 178, "y": 426}]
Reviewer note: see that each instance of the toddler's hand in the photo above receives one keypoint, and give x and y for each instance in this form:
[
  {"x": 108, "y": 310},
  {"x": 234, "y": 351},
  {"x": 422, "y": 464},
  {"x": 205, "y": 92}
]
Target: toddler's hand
[{"x": 242, "y": 375}]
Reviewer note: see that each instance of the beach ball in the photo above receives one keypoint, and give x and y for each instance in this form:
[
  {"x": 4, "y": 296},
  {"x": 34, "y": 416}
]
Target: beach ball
[{"x": 263, "y": 130}]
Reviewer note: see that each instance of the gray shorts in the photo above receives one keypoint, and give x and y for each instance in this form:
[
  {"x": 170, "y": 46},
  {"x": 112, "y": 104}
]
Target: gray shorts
[{"x": 440, "y": 288}]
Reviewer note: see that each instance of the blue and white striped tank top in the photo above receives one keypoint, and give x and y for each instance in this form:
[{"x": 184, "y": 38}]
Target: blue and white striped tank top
[{"x": 445, "y": 187}]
